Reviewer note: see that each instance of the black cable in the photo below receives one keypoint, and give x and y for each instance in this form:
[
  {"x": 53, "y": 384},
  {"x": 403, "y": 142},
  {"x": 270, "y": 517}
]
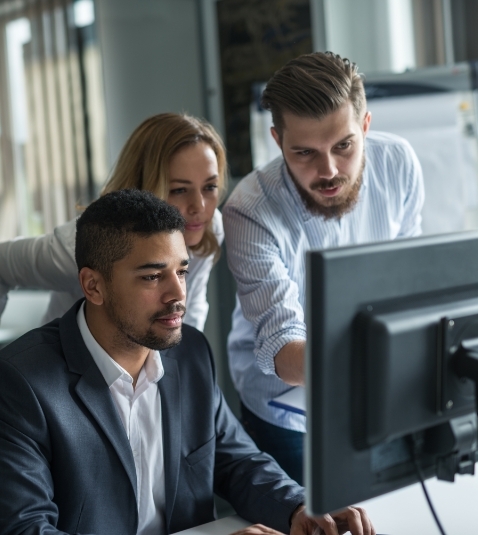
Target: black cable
[{"x": 422, "y": 481}]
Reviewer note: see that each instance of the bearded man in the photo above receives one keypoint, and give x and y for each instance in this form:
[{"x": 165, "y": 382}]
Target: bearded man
[{"x": 335, "y": 184}]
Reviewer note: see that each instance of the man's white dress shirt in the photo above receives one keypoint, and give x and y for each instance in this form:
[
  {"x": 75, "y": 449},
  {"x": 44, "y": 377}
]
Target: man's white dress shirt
[{"x": 140, "y": 412}]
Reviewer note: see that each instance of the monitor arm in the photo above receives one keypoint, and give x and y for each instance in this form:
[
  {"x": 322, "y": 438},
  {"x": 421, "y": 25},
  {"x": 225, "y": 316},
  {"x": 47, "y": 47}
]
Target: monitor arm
[
  {"x": 458, "y": 437},
  {"x": 465, "y": 362},
  {"x": 454, "y": 443}
]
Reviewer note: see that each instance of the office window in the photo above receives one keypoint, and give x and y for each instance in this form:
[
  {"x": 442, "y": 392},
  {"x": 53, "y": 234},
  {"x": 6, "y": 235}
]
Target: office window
[{"x": 52, "y": 126}]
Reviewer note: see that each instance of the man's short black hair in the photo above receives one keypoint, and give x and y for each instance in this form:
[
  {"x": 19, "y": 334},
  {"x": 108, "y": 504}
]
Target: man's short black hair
[{"x": 105, "y": 229}]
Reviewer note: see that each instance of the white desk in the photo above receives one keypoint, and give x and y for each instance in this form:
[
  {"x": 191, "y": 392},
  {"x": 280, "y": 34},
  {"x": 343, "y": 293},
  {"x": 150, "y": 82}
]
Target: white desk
[
  {"x": 406, "y": 510},
  {"x": 401, "y": 512},
  {"x": 224, "y": 526}
]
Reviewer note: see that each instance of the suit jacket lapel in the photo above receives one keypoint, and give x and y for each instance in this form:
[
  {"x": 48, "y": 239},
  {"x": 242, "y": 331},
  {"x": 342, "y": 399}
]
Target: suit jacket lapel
[
  {"x": 94, "y": 392},
  {"x": 171, "y": 414}
]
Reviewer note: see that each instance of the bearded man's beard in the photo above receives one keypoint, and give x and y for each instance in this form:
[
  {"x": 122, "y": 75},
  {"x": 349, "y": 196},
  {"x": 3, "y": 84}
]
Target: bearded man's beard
[{"x": 334, "y": 210}]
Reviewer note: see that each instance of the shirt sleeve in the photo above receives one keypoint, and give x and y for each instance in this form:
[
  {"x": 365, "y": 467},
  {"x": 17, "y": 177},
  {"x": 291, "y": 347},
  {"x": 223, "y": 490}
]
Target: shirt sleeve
[
  {"x": 46, "y": 262},
  {"x": 268, "y": 295},
  {"x": 415, "y": 196}
]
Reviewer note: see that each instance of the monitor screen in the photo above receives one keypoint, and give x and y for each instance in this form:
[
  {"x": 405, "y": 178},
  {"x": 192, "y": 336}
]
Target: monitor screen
[{"x": 392, "y": 331}]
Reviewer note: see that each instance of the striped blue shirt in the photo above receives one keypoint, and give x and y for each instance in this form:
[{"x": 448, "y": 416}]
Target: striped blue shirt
[{"x": 268, "y": 230}]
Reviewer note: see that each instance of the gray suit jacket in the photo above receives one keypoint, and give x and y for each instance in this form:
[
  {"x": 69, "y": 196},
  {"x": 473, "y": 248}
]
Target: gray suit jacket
[{"x": 66, "y": 465}]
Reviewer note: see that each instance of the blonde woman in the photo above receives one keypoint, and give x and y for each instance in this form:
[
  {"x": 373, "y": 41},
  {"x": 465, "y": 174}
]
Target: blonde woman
[{"x": 180, "y": 159}]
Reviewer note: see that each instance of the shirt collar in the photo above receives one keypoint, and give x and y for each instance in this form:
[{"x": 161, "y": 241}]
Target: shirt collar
[
  {"x": 153, "y": 366},
  {"x": 109, "y": 368}
]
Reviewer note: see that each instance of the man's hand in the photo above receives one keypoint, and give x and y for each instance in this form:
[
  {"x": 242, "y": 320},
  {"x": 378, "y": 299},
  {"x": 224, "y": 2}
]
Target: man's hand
[{"x": 353, "y": 519}]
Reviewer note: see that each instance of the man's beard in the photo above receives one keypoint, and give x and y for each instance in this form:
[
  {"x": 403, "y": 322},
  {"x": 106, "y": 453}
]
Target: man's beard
[
  {"x": 130, "y": 336},
  {"x": 331, "y": 211}
]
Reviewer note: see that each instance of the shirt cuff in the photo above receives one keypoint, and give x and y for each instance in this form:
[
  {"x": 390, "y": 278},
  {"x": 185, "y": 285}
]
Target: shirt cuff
[{"x": 266, "y": 354}]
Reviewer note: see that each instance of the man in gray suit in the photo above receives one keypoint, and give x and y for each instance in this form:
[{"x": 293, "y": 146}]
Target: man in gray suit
[{"x": 100, "y": 433}]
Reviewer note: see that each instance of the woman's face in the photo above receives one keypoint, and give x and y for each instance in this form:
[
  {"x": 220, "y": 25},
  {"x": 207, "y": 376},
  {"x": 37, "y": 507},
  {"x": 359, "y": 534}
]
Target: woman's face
[{"x": 193, "y": 188}]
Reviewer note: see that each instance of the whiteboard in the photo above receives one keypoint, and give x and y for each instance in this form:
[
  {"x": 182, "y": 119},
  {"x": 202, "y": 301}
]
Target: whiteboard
[{"x": 441, "y": 129}]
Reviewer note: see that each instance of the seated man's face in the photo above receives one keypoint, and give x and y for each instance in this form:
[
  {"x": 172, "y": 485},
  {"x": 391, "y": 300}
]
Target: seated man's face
[
  {"x": 325, "y": 158},
  {"x": 145, "y": 299}
]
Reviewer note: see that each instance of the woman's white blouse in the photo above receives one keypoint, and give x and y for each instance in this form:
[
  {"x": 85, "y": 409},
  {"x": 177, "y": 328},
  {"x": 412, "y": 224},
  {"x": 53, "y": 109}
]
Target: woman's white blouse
[{"x": 48, "y": 262}]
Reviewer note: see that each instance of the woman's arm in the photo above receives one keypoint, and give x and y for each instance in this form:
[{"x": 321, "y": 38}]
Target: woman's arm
[{"x": 46, "y": 262}]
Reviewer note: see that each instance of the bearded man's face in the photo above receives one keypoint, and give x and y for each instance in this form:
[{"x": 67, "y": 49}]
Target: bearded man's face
[{"x": 325, "y": 158}]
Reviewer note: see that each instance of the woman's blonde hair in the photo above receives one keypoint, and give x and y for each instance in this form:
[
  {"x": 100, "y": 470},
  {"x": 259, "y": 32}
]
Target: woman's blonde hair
[{"x": 144, "y": 160}]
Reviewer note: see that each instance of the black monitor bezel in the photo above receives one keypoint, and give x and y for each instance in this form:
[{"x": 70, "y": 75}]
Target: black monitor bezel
[{"x": 341, "y": 283}]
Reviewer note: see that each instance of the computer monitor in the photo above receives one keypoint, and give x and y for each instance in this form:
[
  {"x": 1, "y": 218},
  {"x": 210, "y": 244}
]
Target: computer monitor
[{"x": 388, "y": 327}]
